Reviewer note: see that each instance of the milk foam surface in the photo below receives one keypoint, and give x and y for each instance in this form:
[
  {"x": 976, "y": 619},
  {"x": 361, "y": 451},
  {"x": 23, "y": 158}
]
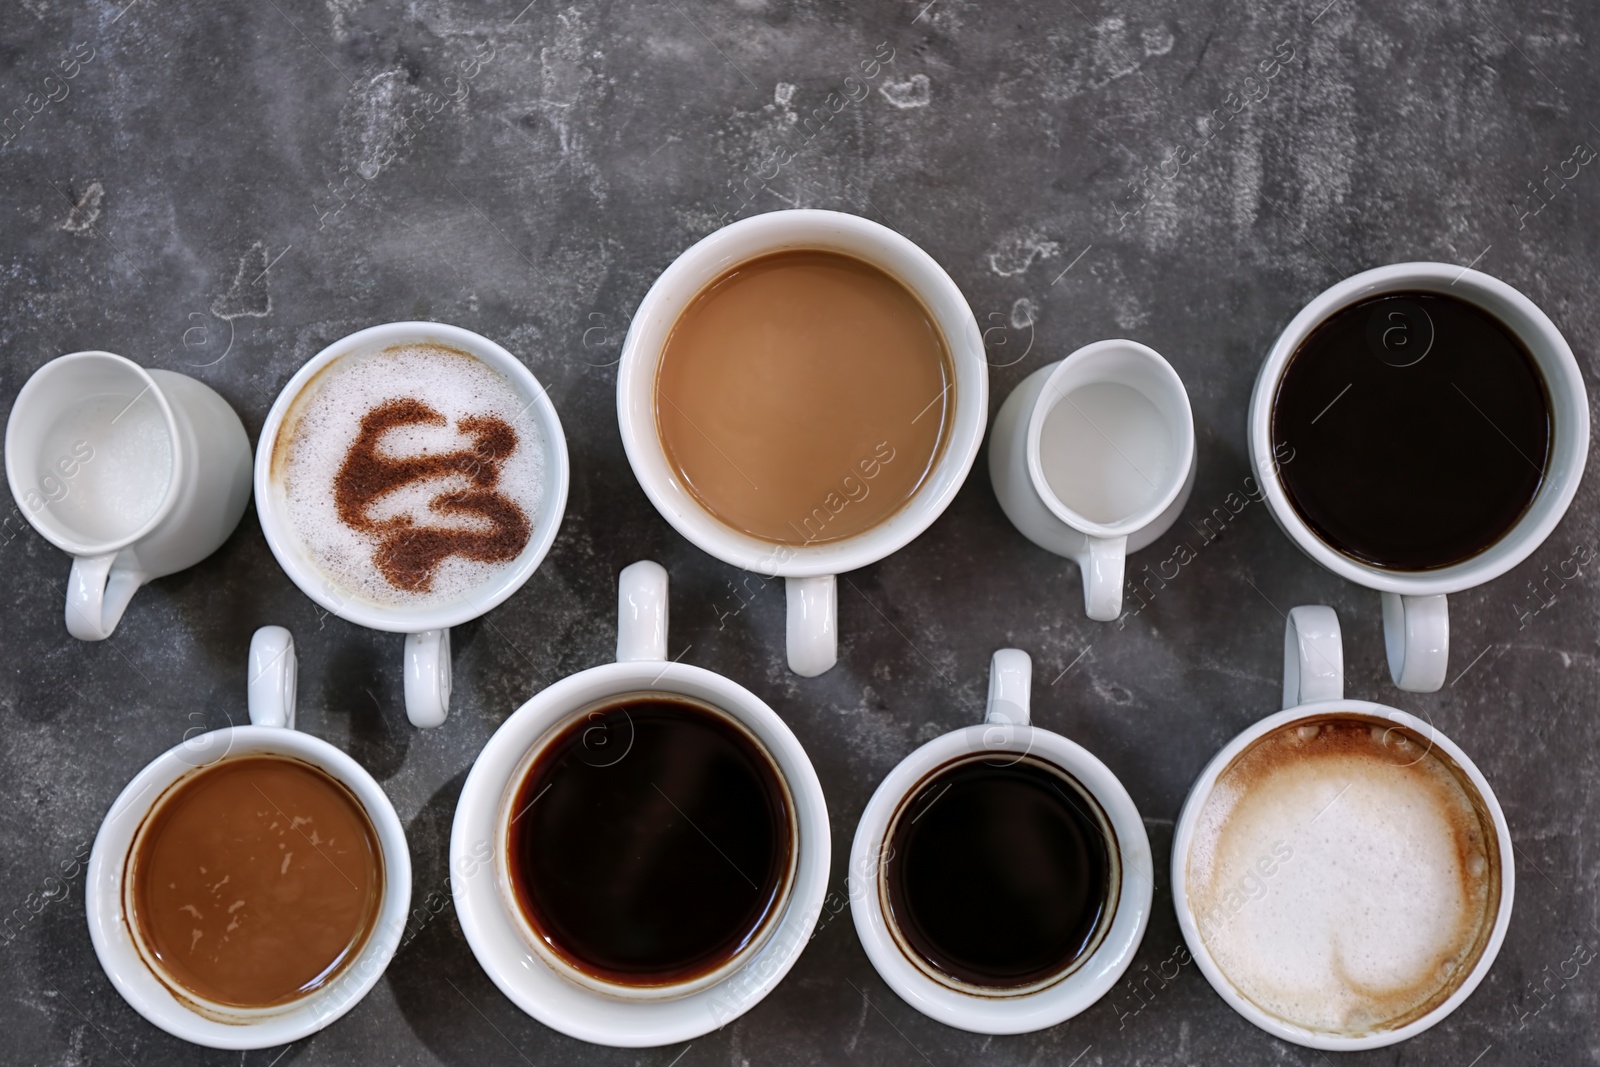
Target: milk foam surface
[
  {"x": 324, "y": 423},
  {"x": 1341, "y": 877}
]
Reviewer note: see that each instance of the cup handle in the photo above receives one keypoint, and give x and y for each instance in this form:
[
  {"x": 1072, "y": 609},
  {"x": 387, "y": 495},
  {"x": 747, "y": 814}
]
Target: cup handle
[
  {"x": 1102, "y": 564},
  {"x": 1010, "y": 684},
  {"x": 813, "y": 626},
  {"x": 98, "y": 592},
  {"x": 642, "y": 613},
  {"x": 273, "y": 674},
  {"x": 1416, "y": 635},
  {"x": 1313, "y": 656},
  {"x": 427, "y": 667}
]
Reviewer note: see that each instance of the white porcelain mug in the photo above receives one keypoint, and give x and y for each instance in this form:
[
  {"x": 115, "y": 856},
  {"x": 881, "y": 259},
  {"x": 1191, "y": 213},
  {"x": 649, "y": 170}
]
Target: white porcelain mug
[
  {"x": 1416, "y": 625},
  {"x": 504, "y": 942},
  {"x": 1007, "y": 735},
  {"x": 1136, "y": 495},
  {"x": 1313, "y": 689},
  {"x": 139, "y": 978},
  {"x": 427, "y": 629},
  {"x": 809, "y": 570},
  {"x": 136, "y": 473}
]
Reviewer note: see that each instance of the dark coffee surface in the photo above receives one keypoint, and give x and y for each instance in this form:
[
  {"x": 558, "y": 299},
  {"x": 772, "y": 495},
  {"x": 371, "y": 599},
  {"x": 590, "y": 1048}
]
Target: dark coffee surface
[
  {"x": 256, "y": 881},
  {"x": 999, "y": 875},
  {"x": 649, "y": 841},
  {"x": 1419, "y": 427}
]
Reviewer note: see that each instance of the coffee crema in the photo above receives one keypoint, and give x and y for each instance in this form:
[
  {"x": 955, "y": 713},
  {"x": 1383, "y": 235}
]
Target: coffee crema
[
  {"x": 804, "y": 397},
  {"x": 650, "y": 841},
  {"x": 1001, "y": 876},
  {"x": 1344, "y": 875},
  {"x": 411, "y": 475},
  {"x": 254, "y": 881},
  {"x": 1419, "y": 428}
]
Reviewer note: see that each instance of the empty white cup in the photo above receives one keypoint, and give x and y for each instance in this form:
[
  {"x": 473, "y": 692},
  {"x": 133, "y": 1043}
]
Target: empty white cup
[
  {"x": 137, "y": 473},
  {"x": 1093, "y": 458}
]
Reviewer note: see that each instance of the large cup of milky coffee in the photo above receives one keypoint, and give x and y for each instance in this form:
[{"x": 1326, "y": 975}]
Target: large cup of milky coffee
[
  {"x": 250, "y": 885},
  {"x": 410, "y": 477},
  {"x": 1341, "y": 870},
  {"x": 800, "y": 394}
]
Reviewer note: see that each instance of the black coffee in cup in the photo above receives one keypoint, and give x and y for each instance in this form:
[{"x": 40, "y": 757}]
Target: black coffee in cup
[
  {"x": 1416, "y": 428},
  {"x": 651, "y": 840},
  {"x": 1001, "y": 874}
]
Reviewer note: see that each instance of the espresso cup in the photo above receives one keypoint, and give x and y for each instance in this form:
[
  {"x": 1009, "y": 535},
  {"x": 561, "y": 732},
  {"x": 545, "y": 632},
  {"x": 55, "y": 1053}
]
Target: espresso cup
[
  {"x": 1416, "y": 624},
  {"x": 135, "y": 473},
  {"x": 526, "y": 969},
  {"x": 1331, "y": 958},
  {"x": 809, "y": 570},
  {"x": 134, "y": 969},
  {"x": 1004, "y": 739},
  {"x": 426, "y": 662},
  {"x": 1134, "y": 465}
]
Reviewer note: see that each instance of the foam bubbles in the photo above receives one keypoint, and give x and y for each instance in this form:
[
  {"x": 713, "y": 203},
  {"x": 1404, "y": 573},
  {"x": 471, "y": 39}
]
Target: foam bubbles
[
  {"x": 1338, "y": 877},
  {"x": 325, "y": 421}
]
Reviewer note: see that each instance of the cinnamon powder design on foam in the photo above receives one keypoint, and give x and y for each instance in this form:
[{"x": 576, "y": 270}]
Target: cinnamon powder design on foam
[{"x": 407, "y": 554}]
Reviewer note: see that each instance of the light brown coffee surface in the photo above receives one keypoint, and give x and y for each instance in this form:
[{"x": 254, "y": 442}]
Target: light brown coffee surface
[
  {"x": 255, "y": 881},
  {"x": 803, "y": 397}
]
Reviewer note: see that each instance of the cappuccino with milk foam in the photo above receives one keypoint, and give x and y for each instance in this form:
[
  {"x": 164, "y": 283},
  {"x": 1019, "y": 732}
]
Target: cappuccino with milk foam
[
  {"x": 411, "y": 475},
  {"x": 1344, "y": 875}
]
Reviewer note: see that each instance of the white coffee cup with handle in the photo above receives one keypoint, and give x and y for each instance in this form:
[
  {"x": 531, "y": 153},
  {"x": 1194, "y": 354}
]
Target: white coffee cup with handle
[
  {"x": 1093, "y": 457},
  {"x": 426, "y": 661},
  {"x": 809, "y": 570},
  {"x": 136, "y": 473},
  {"x": 1416, "y": 623},
  {"x": 136, "y": 971}
]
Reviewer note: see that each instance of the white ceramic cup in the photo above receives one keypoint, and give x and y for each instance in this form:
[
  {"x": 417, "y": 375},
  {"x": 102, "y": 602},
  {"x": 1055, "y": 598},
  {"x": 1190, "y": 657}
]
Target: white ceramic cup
[
  {"x": 138, "y": 977},
  {"x": 809, "y": 570},
  {"x": 501, "y": 938},
  {"x": 1005, "y": 735},
  {"x": 427, "y": 645},
  {"x": 1416, "y": 625},
  {"x": 1017, "y": 469},
  {"x": 1313, "y": 688},
  {"x": 52, "y": 448}
]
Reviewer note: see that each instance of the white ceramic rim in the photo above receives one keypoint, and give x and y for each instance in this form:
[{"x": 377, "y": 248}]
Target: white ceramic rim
[
  {"x": 1054, "y": 1003},
  {"x": 495, "y": 936},
  {"x": 1183, "y": 836},
  {"x": 1180, "y": 469},
  {"x": 114, "y": 943},
  {"x": 760, "y": 235},
  {"x": 1569, "y": 412},
  {"x": 174, "y": 482},
  {"x": 305, "y": 574}
]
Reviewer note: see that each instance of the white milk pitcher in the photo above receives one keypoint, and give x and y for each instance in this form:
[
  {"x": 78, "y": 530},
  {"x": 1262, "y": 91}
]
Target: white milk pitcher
[
  {"x": 135, "y": 473},
  {"x": 1092, "y": 458}
]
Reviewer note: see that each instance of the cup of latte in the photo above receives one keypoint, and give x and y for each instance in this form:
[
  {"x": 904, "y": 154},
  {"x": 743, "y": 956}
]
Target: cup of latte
[
  {"x": 251, "y": 884},
  {"x": 1341, "y": 870},
  {"x": 410, "y": 477},
  {"x": 800, "y": 394},
  {"x": 1420, "y": 429}
]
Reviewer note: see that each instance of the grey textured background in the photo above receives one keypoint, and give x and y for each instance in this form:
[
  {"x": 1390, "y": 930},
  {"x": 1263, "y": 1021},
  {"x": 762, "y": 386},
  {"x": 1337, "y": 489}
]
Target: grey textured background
[{"x": 225, "y": 188}]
